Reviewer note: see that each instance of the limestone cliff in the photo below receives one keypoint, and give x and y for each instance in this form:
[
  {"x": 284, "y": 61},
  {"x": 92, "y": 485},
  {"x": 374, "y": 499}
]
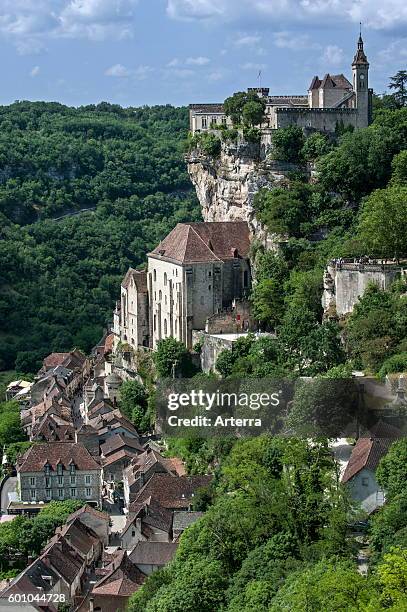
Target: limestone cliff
[{"x": 226, "y": 185}]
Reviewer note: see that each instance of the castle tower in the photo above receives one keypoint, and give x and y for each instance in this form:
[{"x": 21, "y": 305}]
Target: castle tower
[{"x": 360, "y": 73}]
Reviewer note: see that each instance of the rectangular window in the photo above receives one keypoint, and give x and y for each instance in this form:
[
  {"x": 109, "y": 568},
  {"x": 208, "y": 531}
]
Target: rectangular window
[
  {"x": 88, "y": 479},
  {"x": 73, "y": 479},
  {"x": 365, "y": 482},
  {"x": 224, "y": 120},
  {"x": 88, "y": 492},
  {"x": 60, "y": 493},
  {"x": 59, "y": 468},
  {"x": 48, "y": 493},
  {"x": 204, "y": 122},
  {"x": 33, "y": 493},
  {"x": 47, "y": 482},
  {"x": 60, "y": 480},
  {"x": 32, "y": 481},
  {"x": 73, "y": 492}
]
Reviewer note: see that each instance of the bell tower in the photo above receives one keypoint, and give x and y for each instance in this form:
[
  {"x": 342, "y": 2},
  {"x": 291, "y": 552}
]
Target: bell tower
[{"x": 360, "y": 73}]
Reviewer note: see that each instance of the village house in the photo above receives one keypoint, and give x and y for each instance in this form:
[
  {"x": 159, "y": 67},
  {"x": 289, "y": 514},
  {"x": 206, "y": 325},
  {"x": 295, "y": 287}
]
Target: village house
[
  {"x": 151, "y": 556},
  {"x": 330, "y": 101},
  {"x": 120, "y": 442},
  {"x": 96, "y": 520},
  {"x": 130, "y": 319},
  {"x": 360, "y": 472},
  {"x": 37, "y": 579},
  {"x": 182, "y": 520},
  {"x": 143, "y": 467},
  {"x": 59, "y": 471},
  {"x": 147, "y": 521},
  {"x": 112, "y": 592},
  {"x": 171, "y": 492}
]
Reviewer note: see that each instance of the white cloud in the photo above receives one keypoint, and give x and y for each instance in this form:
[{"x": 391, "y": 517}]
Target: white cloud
[
  {"x": 142, "y": 72},
  {"x": 252, "y": 66},
  {"x": 333, "y": 55},
  {"x": 197, "y": 61},
  {"x": 174, "y": 62},
  {"x": 117, "y": 71},
  {"x": 180, "y": 73},
  {"x": 395, "y": 52},
  {"x": 35, "y": 71},
  {"x": 293, "y": 41},
  {"x": 217, "y": 75},
  {"x": 29, "y": 23},
  {"x": 247, "y": 40},
  {"x": 377, "y": 14}
]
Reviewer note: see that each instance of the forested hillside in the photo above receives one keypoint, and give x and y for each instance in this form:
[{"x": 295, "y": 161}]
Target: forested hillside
[{"x": 60, "y": 277}]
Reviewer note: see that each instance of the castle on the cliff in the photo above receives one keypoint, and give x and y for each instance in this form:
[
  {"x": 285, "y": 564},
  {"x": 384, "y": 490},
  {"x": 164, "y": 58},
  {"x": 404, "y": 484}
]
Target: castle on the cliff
[{"x": 331, "y": 101}]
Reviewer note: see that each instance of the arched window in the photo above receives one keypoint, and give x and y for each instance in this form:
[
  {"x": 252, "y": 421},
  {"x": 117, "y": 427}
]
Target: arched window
[
  {"x": 160, "y": 295},
  {"x": 155, "y": 275},
  {"x": 165, "y": 279},
  {"x": 165, "y": 327}
]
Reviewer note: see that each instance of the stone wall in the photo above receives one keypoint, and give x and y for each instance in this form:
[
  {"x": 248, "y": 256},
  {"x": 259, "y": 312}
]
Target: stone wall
[
  {"x": 212, "y": 346},
  {"x": 345, "y": 281}
]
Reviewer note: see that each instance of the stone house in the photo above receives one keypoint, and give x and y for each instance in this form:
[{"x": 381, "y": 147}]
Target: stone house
[
  {"x": 151, "y": 556},
  {"x": 329, "y": 101},
  {"x": 121, "y": 442},
  {"x": 112, "y": 592},
  {"x": 96, "y": 520},
  {"x": 346, "y": 280},
  {"x": 148, "y": 521},
  {"x": 360, "y": 473},
  {"x": 130, "y": 319},
  {"x": 36, "y": 579},
  {"x": 182, "y": 520},
  {"x": 115, "y": 464},
  {"x": 196, "y": 271},
  {"x": 142, "y": 468},
  {"x": 59, "y": 471},
  {"x": 63, "y": 559},
  {"x": 171, "y": 492}
]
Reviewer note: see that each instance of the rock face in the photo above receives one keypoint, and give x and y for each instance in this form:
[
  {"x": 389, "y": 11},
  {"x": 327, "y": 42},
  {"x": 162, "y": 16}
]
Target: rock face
[{"x": 226, "y": 185}]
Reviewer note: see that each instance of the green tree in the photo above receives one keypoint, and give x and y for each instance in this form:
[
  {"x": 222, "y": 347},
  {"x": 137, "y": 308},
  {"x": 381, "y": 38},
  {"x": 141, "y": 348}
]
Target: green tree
[
  {"x": 315, "y": 146},
  {"x": 392, "y": 470},
  {"x": 133, "y": 403},
  {"x": 329, "y": 586},
  {"x": 398, "y": 82},
  {"x": 288, "y": 144},
  {"x": 392, "y": 574},
  {"x": 172, "y": 358},
  {"x": 253, "y": 112},
  {"x": 382, "y": 227}
]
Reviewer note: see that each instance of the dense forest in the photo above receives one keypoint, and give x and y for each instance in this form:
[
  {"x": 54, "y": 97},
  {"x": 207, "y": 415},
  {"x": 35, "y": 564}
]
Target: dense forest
[{"x": 60, "y": 276}]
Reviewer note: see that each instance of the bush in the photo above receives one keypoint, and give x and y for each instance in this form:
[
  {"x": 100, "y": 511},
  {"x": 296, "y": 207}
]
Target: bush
[
  {"x": 396, "y": 363},
  {"x": 288, "y": 143}
]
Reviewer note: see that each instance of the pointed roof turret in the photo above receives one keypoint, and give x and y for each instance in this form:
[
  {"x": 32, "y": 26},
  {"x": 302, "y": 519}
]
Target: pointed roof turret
[{"x": 360, "y": 56}]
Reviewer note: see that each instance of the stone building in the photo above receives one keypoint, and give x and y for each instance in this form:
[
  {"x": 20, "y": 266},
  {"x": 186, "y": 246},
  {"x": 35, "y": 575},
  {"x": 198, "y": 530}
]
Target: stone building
[
  {"x": 59, "y": 471},
  {"x": 130, "y": 319},
  {"x": 345, "y": 281},
  {"x": 195, "y": 272},
  {"x": 330, "y": 101}
]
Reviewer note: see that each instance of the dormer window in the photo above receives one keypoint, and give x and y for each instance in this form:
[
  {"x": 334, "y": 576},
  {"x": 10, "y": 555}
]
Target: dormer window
[
  {"x": 47, "y": 468},
  {"x": 59, "y": 468},
  {"x": 72, "y": 468}
]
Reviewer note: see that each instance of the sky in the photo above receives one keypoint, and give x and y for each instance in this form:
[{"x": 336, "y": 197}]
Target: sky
[{"x": 136, "y": 52}]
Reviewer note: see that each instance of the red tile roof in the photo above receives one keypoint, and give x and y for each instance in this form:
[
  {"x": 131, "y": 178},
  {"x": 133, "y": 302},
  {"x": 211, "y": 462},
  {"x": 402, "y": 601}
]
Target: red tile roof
[
  {"x": 366, "y": 454},
  {"x": 54, "y": 359},
  {"x": 171, "y": 491},
  {"x": 122, "y": 580},
  {"x": 205, "y": 242},
  {"x": 119, "y": 441},
  {"x": 35, "y": 458}
]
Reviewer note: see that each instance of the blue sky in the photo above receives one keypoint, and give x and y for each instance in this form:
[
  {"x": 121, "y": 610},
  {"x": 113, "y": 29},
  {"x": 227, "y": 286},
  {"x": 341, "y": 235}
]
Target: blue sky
[{"x": 135, "y": 52}]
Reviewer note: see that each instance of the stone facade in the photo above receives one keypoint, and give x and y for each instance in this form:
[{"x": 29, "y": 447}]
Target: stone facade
[
  {"x": 130, "y": 319},
  {"x": 330, "y": 101},
  {"x": 196, "y": 271},
  {"x": 345, "y": 281}
]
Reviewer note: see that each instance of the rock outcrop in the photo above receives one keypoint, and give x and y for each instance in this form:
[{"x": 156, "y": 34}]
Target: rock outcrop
[{"x": 226, "y": 185}]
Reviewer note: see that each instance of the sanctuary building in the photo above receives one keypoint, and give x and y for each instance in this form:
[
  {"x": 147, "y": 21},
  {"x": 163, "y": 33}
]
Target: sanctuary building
[{"x": 330, "y": 101}]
